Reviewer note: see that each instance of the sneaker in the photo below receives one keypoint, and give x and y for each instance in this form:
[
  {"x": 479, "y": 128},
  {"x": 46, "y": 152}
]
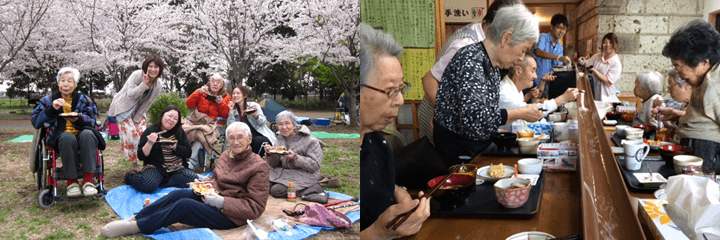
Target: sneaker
[
  {"x": 89, "y": 189},
  {"x": 73, "y": 190}
]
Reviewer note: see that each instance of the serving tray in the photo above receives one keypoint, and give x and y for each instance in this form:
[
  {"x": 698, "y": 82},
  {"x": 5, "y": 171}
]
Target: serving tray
[{"x": 655, "y": 163}]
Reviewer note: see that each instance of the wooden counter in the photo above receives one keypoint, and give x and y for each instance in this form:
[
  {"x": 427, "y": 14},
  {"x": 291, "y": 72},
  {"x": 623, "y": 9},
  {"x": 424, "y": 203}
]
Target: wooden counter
[{"x": 593, "y": 201}]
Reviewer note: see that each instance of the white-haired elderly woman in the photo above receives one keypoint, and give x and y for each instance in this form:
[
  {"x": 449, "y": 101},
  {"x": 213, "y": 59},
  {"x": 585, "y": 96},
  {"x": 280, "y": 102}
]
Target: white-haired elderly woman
[
  {"x": 301, "y": 165},
  {"x": 211, "y": 100},
  {"x": 132, "y": 102},
  {"x": 73, "y": 136},
  {"x": 467, "y": 112},
  {"x": 241, "y": 179},
  {"x": 694, "y": 50},
  {"x": 647, "y": 87}
]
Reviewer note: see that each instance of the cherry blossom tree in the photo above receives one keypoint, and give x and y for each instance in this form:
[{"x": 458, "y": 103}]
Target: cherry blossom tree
[
  {"x": 18, "y": 21},
  {"x": 122, "y": 33},
  {"x": 236, "y": 36},
  {"x": 327, "y": 30}
]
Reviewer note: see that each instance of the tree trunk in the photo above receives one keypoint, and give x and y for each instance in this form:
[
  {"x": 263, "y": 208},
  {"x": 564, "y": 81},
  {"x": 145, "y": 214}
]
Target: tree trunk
[{"x": 353, "y": 113}]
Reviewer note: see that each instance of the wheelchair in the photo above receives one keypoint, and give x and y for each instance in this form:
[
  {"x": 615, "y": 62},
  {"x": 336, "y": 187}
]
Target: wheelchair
[
  {"x": 206, "y": 159},
  {"x": 47, "y": 172}
]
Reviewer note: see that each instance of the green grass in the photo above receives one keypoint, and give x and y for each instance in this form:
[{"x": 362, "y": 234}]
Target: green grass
[
  {"x": 60, "y": 234},
  {"x": 14, "y": 104},
  {"x": 342, "y": 163}
]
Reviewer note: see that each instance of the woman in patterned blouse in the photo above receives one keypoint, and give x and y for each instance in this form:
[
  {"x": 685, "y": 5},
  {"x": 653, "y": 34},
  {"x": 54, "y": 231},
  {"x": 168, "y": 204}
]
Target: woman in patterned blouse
[
  {"x": 694, "y": 50},
  {"x": 467, "y": 111}
]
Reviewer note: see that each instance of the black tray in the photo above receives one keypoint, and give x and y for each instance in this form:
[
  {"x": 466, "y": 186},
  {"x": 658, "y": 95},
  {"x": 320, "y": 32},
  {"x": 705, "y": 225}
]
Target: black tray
[
  {"x": 617, "y": 139},
  {"x": 655, "y": 163},
  {"x": 484, "y": 202},
  {"x": 493, "y": 150}
]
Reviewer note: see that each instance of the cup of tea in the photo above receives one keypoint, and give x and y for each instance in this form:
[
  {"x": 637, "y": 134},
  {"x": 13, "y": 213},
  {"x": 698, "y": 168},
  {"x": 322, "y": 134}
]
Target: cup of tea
[
  {"x": 662, "y": 134},
  {"x": 635, "y": 152}
]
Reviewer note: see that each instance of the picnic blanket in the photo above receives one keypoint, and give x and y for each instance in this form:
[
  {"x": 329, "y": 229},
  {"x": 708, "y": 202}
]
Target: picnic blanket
[
  {"x": 126, "y": 201},
  {"x": 22, "y": 138},
  {"x": 335, "y": 135},
  {"x": 201, "y": 127}
]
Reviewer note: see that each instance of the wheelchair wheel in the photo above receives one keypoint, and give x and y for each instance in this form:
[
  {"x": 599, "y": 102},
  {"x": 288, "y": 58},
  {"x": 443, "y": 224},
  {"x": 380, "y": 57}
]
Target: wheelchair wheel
[{"x": 46, "y": 199}]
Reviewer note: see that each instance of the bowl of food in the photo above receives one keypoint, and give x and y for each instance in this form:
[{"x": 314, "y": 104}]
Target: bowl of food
[
  {"x": 527, "y": 133},
  {"x": 504, "y": 140},
  {"x": 465, "y": 169},
  {"x": 528, "y": 145},
  {"x": 633, "y": 133},
  {"x": 647, "y": 129},
  {"x": 681, "y": 161},
  {"x": 614, "y": 115},
  {"x": 512, "y": 192},
  {"x": 667, "y": 152},
  {"x": 530, "y": 166},
  {"x": 628, "y": 116},
  {"x": 454, "y": 190},
  {"x": 278, "y": 150}
]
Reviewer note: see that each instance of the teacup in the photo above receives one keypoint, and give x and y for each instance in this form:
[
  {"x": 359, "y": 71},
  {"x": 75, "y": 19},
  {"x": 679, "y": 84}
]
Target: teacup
[
  {"x": 620, "y": 130},
  {"x": 633, "y": 133},
  {"x": 634, "y": 154},
  {"x": 561, "y": 131}
]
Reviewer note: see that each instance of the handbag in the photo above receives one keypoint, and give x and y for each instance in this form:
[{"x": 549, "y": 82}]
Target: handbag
[{"x": 317, "y": 215}]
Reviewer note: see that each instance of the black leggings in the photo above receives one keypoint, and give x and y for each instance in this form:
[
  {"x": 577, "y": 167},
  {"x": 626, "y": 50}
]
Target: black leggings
[{"x": 150, "y": 179}]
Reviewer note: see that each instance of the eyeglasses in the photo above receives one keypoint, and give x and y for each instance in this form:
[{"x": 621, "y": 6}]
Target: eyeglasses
[
  {"x": 233, "y": 139},
  {"x": 392, "y": 92}
]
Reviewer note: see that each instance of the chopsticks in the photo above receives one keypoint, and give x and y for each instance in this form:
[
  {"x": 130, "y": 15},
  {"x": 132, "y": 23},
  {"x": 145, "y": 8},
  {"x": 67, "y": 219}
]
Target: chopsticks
[
  {"x": 395, "y": 223},
  {"x": 161, "y": 132}
]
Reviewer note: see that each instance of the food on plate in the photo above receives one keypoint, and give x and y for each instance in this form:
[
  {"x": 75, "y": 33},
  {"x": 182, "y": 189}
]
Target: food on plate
[
  {"x": 278, "y": 150},
  {"x": 496, "y": 171},
  {"x": 70, "y": 114},
  {"x": 653, "y": 143},
  {"x": 166, "y": 141},
  {"x": 202, "y": 188},
  {"x": 250, "y": 110}
]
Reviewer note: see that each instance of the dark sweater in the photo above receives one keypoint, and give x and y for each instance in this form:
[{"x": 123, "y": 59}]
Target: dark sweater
[{"x": 156, "y": 157}]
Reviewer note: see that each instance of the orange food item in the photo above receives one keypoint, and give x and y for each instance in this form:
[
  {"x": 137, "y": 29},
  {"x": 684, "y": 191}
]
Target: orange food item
[{"x": 203, "y": 188}]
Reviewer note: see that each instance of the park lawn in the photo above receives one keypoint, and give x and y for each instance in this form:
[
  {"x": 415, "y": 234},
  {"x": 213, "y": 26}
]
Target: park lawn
[{"x": 21, "y": 218}]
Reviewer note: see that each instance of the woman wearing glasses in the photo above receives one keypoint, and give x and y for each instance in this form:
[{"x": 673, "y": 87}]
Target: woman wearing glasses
[
  {"x": 694, "y": 50},
  {"x": 381, "y": 79},
  {"x": 301, "y": 164},
  {"x": 467, "y": 111}
]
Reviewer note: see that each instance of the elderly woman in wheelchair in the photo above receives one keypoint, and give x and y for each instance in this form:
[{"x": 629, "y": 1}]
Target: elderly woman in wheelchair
[
  {"x": 72, "y": 132},
  {"x": 164, "y": 148},
  {"x": 211, "y": 106}
]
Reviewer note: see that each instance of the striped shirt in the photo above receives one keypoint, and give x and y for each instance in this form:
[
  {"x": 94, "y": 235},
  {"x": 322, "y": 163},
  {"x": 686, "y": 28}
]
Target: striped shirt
[{"x": 171, "y": 162}]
